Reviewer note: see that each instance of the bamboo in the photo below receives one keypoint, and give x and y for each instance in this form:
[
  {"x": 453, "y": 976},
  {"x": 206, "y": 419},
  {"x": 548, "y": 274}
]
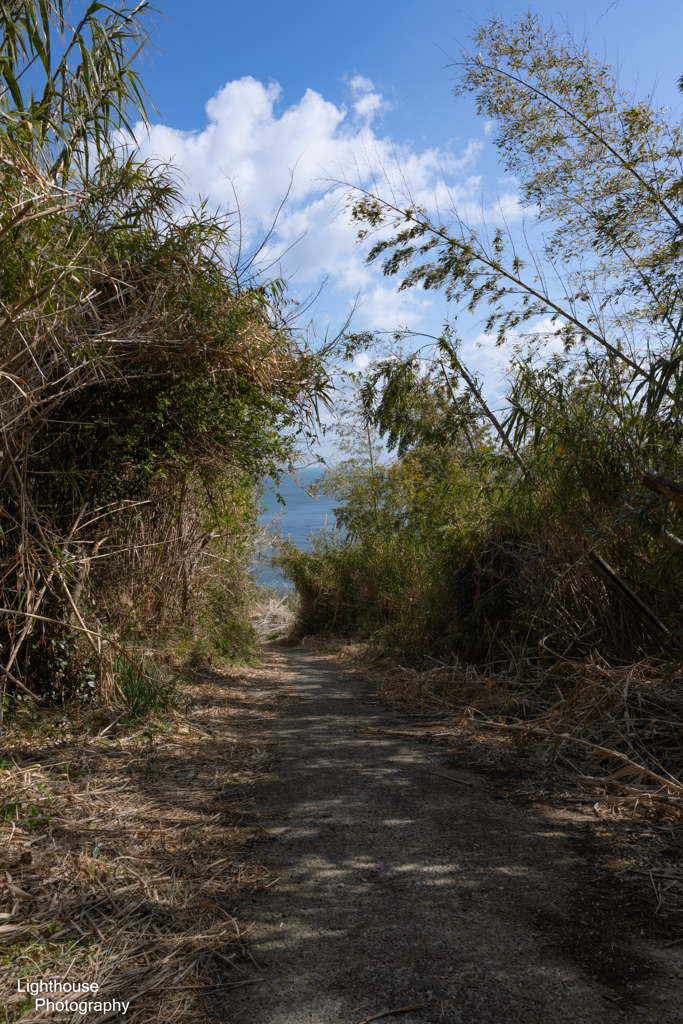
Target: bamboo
[
  {"x": 663, "y": 486},
  {"x": 626, "y": 595}
]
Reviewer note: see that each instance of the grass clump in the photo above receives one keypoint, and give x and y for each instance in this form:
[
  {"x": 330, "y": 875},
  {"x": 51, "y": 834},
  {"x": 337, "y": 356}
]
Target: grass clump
[
  {"x": 272, "y": 612},
  {"x": 145, "y": 690}
]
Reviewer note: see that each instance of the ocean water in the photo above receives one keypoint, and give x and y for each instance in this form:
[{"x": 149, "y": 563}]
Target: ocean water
[{"x": 299, "y": 518}]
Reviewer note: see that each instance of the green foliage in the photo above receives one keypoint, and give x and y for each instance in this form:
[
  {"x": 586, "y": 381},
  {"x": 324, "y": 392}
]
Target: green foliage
[
  {"x": 449, "y": 549},
  {"x": 144, "y": 689},
  {"x": 601, "y": 171},
  {"x": 28, "y": 815},
  {"x": 601, "y": 166},
  {"x": 385, "y": 572},
  {"x": 356, "y": 589},
  {"x": 67, "y": 90},
  {"x": 561, "y": 470}
]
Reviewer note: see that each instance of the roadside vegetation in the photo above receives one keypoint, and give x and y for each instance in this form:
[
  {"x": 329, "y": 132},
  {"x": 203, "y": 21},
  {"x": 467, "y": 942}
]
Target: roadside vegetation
[
  {"x": 533, "y": 549},
  {"x": 148, "y": 382},
  {"x": 126, "y": 850}
]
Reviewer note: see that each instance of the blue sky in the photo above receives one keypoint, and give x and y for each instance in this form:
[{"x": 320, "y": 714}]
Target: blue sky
[
  {"x": 251, "y": 94},
  {"x": 401, "y": 46}
]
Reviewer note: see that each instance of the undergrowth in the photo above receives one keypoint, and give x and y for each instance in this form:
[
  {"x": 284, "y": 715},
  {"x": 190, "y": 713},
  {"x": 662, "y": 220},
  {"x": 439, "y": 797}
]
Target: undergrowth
[{"x": 144, "y": 689}]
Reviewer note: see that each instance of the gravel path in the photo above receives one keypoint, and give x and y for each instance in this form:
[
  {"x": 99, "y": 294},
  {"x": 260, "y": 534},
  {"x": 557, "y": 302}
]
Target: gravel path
[{"x": 400, "y": 887}]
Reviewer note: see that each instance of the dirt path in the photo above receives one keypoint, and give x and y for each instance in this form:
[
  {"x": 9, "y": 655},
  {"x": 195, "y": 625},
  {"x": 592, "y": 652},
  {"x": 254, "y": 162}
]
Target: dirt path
[{"x": 398, "y": 887}]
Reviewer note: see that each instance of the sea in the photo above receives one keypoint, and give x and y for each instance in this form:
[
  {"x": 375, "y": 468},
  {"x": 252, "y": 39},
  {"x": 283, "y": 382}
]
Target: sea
[{"x": 299, "y": 519}]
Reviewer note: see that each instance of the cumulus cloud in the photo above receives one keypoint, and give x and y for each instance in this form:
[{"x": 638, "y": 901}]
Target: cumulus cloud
[{"x": 254, "y": 151}]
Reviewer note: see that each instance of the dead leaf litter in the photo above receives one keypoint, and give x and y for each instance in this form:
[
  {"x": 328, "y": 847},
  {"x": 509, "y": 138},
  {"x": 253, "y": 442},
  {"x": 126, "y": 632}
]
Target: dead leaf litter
[{"x": 124, "y": 851}]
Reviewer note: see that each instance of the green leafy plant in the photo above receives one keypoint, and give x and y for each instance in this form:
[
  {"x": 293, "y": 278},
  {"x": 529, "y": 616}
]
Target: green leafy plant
[{"x": 144, "y": 689}]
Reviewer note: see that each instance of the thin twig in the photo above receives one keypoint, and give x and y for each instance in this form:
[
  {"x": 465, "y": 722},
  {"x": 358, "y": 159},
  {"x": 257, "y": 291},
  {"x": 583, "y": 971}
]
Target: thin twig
[
  {"x": 390, "y": 1013},
  {"x": 451, "y": 778}
]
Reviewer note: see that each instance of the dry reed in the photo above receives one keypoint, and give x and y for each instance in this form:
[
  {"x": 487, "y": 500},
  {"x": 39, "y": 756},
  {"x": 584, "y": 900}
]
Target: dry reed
[
  {"x": 271, "y": 617},
  {"x": 628, "y": 717}
]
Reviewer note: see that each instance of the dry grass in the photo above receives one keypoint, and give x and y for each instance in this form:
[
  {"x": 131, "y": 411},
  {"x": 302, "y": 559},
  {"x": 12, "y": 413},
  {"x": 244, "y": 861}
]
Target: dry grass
[
  {"x": 124, "y": 854},
  {"x": 271, "y": 617},
  {"x": 588, "y": 713}
]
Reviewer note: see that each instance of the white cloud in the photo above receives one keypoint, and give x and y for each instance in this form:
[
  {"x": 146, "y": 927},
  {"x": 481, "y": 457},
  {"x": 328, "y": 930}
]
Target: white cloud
[
  {"x": 361, "y": 85},
  {"x": 382, "y": 308},
  {"x": 253, "y": 150},
  {"x": 368, "y": 105},
  {"x": 368, "y": 102}
]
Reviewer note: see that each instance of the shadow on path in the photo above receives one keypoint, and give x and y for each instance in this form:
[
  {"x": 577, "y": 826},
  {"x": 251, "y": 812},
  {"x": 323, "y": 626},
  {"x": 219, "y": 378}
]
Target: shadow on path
[{"x": 398, "y": 887}]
